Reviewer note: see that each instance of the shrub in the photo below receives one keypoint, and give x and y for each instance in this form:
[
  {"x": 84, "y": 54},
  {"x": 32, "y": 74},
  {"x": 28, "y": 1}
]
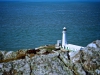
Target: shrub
[{"x": 49, "y": 48}]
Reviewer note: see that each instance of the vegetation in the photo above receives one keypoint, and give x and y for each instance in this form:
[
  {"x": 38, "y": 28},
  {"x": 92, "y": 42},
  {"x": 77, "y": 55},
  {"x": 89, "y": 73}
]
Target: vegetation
[
  {"x": 21, "y": 54},
  {"x": 49, "y": 48}
]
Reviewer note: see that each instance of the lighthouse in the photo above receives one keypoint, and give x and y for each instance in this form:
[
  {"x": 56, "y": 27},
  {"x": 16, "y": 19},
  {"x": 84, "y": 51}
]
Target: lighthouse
[{"x": 64, "y": 42}]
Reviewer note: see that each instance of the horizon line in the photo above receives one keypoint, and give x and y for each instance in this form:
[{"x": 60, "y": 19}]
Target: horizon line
[{"x": 49, "y": 1}]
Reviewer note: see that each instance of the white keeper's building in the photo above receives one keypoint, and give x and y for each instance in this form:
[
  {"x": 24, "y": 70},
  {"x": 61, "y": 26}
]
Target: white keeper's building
[{"x": 64, "y": 44}]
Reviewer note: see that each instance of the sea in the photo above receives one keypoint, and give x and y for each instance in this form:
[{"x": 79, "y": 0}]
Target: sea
[{"x": 28, "y": 25}]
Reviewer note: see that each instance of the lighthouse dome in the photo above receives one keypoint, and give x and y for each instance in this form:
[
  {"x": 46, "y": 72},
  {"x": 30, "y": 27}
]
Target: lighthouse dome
[{"x": 64, "y": 29}]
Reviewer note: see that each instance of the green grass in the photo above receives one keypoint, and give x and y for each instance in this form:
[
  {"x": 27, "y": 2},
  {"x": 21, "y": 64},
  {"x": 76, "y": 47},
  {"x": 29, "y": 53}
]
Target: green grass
[{"x": 49, "y": 48}]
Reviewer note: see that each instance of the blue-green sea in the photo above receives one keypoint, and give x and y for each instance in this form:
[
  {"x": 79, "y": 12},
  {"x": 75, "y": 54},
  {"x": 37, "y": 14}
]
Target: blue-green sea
[{"x": 25, "y": 25}]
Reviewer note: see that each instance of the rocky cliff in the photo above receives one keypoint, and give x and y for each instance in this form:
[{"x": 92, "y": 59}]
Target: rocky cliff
[{"x": 47, "y": 60}]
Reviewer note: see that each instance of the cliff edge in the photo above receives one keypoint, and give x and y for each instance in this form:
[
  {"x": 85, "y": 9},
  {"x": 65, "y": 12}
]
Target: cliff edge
[{"x": 46, "y": 60}]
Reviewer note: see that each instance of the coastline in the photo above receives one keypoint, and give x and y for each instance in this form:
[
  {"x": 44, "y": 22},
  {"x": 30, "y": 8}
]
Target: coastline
[{"x": 48, "y": 60}]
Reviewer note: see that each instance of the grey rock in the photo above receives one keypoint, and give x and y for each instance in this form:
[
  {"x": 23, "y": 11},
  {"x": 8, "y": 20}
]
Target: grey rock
[
  {"x": 1, "y": 56},
  {"x": 97, "y": 43},
  {"x": 81, "y": 62}
]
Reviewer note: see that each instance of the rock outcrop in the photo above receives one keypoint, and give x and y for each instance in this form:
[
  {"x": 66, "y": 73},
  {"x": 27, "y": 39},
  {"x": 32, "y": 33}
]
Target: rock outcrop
[{"x": 52, "y": 62}]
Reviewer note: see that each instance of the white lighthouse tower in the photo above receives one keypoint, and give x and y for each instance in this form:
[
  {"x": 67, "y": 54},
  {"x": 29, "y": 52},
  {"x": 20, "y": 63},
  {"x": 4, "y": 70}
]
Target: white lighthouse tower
[{"x": 64, "y": 42}]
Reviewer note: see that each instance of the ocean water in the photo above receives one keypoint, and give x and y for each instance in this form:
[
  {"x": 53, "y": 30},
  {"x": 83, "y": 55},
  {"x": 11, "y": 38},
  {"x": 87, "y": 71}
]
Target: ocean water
[{"x": 25, "y": 25}]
